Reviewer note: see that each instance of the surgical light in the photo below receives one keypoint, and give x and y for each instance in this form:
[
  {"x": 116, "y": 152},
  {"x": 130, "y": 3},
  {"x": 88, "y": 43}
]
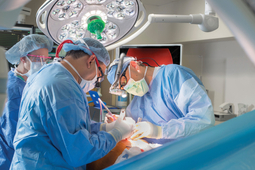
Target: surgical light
[{"x": 105, "y": 20}]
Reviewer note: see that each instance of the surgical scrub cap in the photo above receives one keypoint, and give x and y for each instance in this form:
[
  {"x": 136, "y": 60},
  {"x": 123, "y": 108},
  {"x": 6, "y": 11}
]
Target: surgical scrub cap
[
  {"x": 95, "y": 46},
  {"x": 28, "y": 44},
  {"x": 114, "y": 65}
]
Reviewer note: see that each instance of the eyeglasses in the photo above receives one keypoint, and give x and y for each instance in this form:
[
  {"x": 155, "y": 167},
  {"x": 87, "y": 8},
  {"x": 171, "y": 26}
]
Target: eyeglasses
[
  {"x": 100, "y": 78},
  {"x": 39, "y": 58},
  {"x": 123, "y": 79}
]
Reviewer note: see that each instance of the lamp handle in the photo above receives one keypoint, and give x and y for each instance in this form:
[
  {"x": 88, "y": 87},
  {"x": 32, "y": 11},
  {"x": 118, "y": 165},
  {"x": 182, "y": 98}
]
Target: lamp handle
[
  {"x": 41, "y": 18},
  {"x": 141, "y": 20}
]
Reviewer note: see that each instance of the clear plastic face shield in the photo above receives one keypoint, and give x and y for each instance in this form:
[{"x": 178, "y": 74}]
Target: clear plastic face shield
[
  {"x": 39, "y": 59},
  {"x": 36, "y": 63},
  {"x": 116, "y": 85}
]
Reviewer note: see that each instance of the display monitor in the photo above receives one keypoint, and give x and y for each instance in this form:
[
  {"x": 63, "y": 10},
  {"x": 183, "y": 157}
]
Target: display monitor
[
  {"x": 14, "y": 35},
  {"x": 11, "y": 36},
  {"x": 153, "y": 54}
]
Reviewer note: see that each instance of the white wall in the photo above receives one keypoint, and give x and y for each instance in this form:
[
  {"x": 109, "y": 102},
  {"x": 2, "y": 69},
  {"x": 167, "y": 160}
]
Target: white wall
[
  {"x": 226, "y": 71},
  {"x": 150, "y": 35},
  {"x": 34, "y": 5}
]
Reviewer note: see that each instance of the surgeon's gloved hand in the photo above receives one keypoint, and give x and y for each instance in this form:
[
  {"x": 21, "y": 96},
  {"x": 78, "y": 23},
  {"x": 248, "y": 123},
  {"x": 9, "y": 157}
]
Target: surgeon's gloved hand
[
  {"x": 130, "y": 120},
  {"x": 108, "y": 118},
  {"x": 146, "y": 129},
  {"x": 109, "y": 124},
  {"x": 122, "y": 129}
]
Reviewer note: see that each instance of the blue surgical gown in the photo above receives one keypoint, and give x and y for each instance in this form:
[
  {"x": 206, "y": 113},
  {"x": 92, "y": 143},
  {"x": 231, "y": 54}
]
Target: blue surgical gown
[
  {"x": 9, "y": 118},
  {"x": 177, "y": 101},
  {"x": 54, "y": 130}
]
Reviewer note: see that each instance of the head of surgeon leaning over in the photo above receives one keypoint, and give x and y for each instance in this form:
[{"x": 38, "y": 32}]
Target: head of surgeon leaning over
[
  {"x": 170, "y": 100},
  {"x": 54, "y": 129},
  {"x": 30, "y": 54}
]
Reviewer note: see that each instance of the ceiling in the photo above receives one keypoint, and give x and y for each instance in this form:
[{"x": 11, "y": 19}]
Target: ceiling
[{"x": 157, "y": 2}]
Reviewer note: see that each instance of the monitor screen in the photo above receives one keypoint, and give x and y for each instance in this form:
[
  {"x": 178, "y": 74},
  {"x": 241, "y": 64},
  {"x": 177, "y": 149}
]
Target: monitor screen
[
  {"x": 153, "y": 54},
  {"x": 14, "y": 35}
]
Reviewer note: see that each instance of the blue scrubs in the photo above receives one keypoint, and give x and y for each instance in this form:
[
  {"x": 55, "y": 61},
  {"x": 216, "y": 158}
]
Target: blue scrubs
[
  {"x": 176, "y": 101},
  {"x": 54, "y": 129},
  {"x": 8, "y": 121}
]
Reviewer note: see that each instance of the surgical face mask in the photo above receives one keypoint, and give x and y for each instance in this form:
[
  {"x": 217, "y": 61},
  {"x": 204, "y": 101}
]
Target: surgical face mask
[
  {"x": 137, "y": 88},
  {"x": 34, "y": 67},
  {"x": 86, "y": 85}
]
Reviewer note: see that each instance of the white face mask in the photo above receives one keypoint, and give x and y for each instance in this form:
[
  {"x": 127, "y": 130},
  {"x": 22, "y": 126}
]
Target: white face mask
[
  {"x": 34, "y": 67},
  {"x": 86, "y": 85},
  {"x": 137, "y": 88}
]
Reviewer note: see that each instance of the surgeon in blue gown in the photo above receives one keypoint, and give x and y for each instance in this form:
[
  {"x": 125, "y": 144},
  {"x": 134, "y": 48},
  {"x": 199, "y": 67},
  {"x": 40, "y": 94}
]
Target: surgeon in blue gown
[
  {"x": 29, "y": 54},
  {"x": 169, "y": 103},
  {"x": 54, "y": 130}
]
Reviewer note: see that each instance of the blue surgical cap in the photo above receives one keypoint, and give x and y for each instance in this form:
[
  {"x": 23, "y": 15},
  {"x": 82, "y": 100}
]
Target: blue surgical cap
[
  {"x": 95, "y": 46},
  {"x": 27, "y": 45},
  {"x": 114, "y": 65}
]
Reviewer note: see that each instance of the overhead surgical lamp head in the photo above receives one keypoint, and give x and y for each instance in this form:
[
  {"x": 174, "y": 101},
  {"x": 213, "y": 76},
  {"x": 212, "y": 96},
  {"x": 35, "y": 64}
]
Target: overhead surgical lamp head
[{"x": 105, "y": 20}]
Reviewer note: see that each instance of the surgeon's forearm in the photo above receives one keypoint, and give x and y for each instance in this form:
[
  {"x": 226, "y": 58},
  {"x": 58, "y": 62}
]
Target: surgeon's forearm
[
  {"x": 189, "y": 125},
  {"x": 157, "y": 132},
  {"x": 95, "y": 127},
  {"x": 103, "y": 127}
]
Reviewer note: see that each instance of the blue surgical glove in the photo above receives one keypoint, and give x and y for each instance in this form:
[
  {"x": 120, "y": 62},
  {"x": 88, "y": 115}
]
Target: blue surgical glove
[{"x": 109, "y": 118}]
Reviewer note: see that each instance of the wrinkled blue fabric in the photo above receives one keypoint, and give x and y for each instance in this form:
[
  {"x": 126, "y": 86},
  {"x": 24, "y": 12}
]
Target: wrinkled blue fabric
[
  {"x": 176, "y": 101},
  {"x": 54, "y": 129},
  {"x": 9, "y": 118}
]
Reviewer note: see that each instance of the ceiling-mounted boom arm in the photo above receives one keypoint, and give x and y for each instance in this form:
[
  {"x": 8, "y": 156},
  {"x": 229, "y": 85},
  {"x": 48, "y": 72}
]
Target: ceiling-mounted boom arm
[{"x": 206, "y": 22}]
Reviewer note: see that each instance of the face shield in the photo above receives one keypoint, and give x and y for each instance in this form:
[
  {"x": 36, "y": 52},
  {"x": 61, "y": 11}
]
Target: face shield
[
  {"x": 39, "y": 59},
  {"x": 36, "y": 63}
]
